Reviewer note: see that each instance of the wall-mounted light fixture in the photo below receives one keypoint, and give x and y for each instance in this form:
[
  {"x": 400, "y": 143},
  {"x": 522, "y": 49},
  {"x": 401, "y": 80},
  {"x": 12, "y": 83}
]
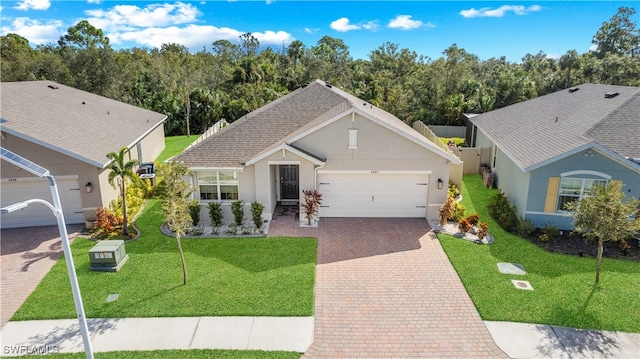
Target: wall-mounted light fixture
[
  {"x": 589, "y": 153},
  {"x": 88, "y": 187},
  {"x": 440, "y": 183}
]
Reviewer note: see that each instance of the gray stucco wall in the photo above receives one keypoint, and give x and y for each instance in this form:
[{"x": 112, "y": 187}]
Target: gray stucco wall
[{"x": 514, "y": 182}]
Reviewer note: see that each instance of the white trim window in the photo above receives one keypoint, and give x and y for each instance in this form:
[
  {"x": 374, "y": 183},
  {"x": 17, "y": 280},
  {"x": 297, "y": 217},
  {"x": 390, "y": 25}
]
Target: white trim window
[
  {"x": 218, "y": 185},
  {"x": 574, "y": 189}
]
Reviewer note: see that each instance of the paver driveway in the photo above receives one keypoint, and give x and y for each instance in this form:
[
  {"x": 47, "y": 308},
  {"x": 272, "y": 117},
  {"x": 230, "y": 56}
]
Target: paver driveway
[
  {"x": 385, "y": 288},
  {"x": 27, "y": 256}
]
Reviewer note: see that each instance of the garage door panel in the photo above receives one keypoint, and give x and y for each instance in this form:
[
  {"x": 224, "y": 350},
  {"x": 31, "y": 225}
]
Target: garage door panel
[
  {"x": 37, "y": 214},
  {"x": 373, "y": 195}
]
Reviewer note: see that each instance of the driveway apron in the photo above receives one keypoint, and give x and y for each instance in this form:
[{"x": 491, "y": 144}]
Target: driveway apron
[{"x": 385, "y": 288}]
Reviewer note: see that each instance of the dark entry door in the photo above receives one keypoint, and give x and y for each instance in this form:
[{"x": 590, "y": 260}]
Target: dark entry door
[{"x": 289, "y": 182}]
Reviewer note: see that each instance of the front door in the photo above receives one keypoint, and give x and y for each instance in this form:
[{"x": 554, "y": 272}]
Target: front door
[{"x": 289, "y": 187}]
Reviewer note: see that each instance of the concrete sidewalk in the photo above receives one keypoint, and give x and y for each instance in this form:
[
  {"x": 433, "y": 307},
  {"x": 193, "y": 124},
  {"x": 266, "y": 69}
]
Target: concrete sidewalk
[
  {"x": 522, "y": 340},
  {"x": 242, "y": 333},
  {"x": 517, "y": 340}
]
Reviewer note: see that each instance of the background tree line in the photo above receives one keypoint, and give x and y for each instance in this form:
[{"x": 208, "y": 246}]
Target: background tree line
[{"x": 195, "y": 90}]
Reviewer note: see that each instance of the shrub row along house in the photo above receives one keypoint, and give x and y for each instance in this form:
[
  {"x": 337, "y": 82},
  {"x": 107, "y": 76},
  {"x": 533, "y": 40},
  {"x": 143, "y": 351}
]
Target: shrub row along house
[
  {"x": 553, "y": 149},
  {"x": 364, "y": 161},
  {"x": 69, "y": 132}
]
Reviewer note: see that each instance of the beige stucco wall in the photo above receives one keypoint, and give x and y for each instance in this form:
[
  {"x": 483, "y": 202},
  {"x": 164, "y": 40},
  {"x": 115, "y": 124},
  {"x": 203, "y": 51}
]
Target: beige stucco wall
[
  {"x": 267, "y": 189},
  {"x": 150, "y": 146},
  {"x": 379, "y": 149},
  {"x": 60, "y": 165}
]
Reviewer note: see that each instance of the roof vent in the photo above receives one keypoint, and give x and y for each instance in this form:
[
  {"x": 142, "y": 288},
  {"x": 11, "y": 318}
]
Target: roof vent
[
  {"x": 573, "y": 89},
  {"x": 611, "y": 94},
  {"x": 53, "y": 87}
]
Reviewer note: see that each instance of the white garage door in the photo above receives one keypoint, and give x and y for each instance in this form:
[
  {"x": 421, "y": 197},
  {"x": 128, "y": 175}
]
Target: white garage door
[
  {"x": 376, "y": 194},
  {"x": 36, "y": 214}
]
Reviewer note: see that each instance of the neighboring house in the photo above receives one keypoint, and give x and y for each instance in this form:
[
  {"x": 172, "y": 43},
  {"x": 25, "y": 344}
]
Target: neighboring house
[
  {"x": 69, "y": 132},
  {"x": 553, "y": 149},
  {"x": 364, "y": 161}
]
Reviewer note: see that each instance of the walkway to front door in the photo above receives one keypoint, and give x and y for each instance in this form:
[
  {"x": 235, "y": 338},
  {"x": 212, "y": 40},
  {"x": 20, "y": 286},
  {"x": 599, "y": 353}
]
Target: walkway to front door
[{"x": 385, "y": 288}]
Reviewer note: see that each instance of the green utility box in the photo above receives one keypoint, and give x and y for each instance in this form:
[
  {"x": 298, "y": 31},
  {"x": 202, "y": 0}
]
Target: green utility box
[{"x": 108, "y": 256}]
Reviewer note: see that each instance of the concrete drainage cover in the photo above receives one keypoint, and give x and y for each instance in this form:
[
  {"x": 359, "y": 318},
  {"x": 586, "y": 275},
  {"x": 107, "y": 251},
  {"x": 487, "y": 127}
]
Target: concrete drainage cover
[
  {"x": 511, "y": 268},
  {"x": 522, "y": 284}
]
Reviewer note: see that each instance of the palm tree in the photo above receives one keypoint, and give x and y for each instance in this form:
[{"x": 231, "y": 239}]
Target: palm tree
[{"x": 122, "y": 171}]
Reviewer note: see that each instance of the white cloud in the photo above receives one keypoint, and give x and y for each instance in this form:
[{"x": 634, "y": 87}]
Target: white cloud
[
  {"x": 194, "y": 36},
  {"x": 94, "y": 1},
  {"x": 371, "y": 25},
  {"x": 500, "y": 12},
  {"x": 269, "y": 2},
  {"x": 33, "y": 5},
  {"x": 553, "y": 56},
  {"x": 310, "y": 31},
  {"x": 343, "y": 25},
  {"x": 129, "y": 17},
  {"x": 150, "y": 25},
  {"x": 273, "y": 37},
  {"x": 36, "y": 32},
  {"x": 404, "y": 22}
]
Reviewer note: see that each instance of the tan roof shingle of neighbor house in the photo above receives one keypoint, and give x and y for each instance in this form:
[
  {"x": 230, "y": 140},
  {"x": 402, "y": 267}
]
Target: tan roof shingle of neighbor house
[{"x": 76, "y": 123}]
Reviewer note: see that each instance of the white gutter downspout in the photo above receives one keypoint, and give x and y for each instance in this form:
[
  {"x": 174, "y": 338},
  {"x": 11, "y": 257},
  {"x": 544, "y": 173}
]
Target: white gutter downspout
[{"x": 315, "y": 175}]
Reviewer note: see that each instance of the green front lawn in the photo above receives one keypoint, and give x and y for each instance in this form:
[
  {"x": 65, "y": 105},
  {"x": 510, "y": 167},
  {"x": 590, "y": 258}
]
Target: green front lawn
[
  {"x": 226, "y": 277},
  {"x": 174, "y": 145},
  {"x": 563, "y": 294}
]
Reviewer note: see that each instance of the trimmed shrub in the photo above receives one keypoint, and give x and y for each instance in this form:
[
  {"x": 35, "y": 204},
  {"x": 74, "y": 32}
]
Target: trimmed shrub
[
  {"x": 453, "y": 190},
  {"x": 451, "y": 210},
  {"x": 135, "y": 201},
  {"x": 458, "y": 211},
  {"x": 482, "y": 231},
  {"x": 543, "y": 238},
  {"x": 552, "y": 231},
  {"x": 473, "y": 219},
  {"x": 504, "y": 213},
  {"x": 237, "y": 208},
  {"x": 256, "y": 213},
  {"x": 194, "y": 212},
  {"x": 312, "y": 200},
  {"x": 464, "y": 226},
  {"x": 215, "y": 214},
  {"x": 525, "y": 227},
  {"x": 108, "y": 224}
]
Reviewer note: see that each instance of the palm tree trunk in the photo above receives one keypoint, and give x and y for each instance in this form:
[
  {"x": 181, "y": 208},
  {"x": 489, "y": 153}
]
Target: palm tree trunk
[
  {"x": 125, "y": 229},
  {"x": 599, "y": 259},
  {"x": 184, "y": 265}
]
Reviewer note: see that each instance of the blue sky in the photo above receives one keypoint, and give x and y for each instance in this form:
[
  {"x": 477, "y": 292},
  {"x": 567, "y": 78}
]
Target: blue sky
[{"x": 484, "y": 28}]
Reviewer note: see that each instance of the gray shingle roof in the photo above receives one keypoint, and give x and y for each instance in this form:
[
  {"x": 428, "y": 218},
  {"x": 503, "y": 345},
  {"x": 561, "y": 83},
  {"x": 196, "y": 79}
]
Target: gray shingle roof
[
  {"x": 71, "y": 121},
  {"x": 539, "y": 130},
  {"x": 275, "y": 123}
]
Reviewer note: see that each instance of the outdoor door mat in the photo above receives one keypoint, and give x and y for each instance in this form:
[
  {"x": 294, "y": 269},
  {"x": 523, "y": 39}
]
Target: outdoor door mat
[
  {"x": 511, "y": 268},
  {"x": 522, "y": 284}
]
